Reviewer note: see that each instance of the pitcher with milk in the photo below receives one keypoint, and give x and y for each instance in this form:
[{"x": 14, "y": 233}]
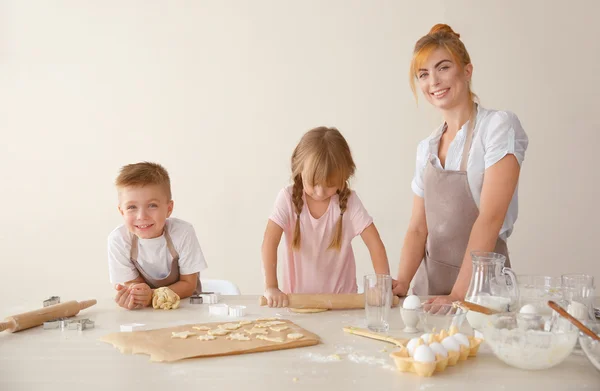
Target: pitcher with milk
[{"x": 492, "y": 285}]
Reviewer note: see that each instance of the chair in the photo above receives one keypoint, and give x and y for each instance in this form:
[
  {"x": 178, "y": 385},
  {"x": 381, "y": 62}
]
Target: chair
[{"x": 223, "y": 287}]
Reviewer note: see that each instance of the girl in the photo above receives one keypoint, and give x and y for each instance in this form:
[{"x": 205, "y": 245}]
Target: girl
[
  {"x": 466, "y": 179},
  {"x": 320, "y": 216}
]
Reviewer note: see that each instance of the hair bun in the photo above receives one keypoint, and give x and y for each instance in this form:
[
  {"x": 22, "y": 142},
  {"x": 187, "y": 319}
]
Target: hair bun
[{"x": 441, "y": 28}]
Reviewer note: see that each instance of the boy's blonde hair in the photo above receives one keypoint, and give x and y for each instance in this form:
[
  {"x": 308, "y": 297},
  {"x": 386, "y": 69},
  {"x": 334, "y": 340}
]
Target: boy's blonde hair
[
  {"x": 142, "y": 174},
  {"x": 324, "y": 157}
]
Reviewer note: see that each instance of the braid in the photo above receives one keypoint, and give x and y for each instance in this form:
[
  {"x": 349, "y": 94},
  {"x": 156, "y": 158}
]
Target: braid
[
  {"x": 336, "y": 241},
  {"x": 297, "y": 191}
]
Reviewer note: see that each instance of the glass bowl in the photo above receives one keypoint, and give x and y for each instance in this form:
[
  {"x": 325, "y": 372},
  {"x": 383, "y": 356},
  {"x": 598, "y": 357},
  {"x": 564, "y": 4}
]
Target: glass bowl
[
  {"x": 530, "y": 342},
  {"x": 438, "y": 317},
  {"x": 590, "y": 347},
  {"x": 537, "y": 290}
]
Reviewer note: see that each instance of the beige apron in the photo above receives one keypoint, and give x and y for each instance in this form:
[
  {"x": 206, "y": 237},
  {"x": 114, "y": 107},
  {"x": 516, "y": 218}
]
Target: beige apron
[
  {"x": 450, "y": 212},
  {"x": 173, "y": 276}
]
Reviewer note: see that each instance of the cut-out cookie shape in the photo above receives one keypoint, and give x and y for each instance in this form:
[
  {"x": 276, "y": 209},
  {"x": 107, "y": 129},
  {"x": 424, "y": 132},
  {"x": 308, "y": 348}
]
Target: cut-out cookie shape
[
  {"x": 238, "y": 337},
  {"x": 182, "y": 335}
]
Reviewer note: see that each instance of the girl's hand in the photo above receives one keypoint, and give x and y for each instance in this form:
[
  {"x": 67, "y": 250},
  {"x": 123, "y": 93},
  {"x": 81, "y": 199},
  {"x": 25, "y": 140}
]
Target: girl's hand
[{"x": 275, "y": 297}]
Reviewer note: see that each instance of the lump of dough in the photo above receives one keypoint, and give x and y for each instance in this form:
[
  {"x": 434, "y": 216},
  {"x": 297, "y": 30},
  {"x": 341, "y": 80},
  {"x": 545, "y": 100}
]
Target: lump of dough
[
  {"x": 201, "y": 328},
  {"x": 270, "y": 339},
  {"x": 207, "y": 337},
  {"x": 245, "y": 322},
  {"x": 238, "y": 337},
  {"x": 308, "y": 310},
  {"x": 279, "y": 328},
  {"x": 295, "y": 336},
  {"x": 182, "y": 335},
  {"x": 164, "y": 298}
]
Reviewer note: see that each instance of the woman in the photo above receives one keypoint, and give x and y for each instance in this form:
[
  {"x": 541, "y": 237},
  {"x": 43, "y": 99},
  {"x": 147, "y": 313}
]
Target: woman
[{"x": 465, "y": 182}]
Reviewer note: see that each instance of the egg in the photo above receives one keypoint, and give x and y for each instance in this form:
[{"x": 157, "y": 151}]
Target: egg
[
  {"x": 438, "y": 348},
  {"x": 451, "y": 344},
  {"x": 412, "y": 344},
  {"x": 424, "y": 354},
  {"x": 462, "y": 339},
  {"x": 426, "y": 337},
  {"x": 411, "y": 302},
  {"x": 528, "y": 309}
]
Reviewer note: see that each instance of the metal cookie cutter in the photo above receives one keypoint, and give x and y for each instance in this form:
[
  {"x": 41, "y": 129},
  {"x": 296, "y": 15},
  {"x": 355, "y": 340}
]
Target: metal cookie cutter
[
  {"x": 80, "y": 324},
  {"x": 51, "y": 301},
  {"x": 237, "y": 310},
  {"x": 218, "y": 309},
  {"x": 53, "y": 324},
  {"x": 205, "y": 298}
]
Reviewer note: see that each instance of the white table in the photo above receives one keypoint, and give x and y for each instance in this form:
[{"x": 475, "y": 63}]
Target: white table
[{"x": 38, "y": 359}]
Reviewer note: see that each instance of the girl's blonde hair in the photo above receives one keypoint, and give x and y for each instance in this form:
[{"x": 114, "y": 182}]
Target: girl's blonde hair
[
  {"x": 440, "y": 35},
  {"x": 324, "y": 157}
]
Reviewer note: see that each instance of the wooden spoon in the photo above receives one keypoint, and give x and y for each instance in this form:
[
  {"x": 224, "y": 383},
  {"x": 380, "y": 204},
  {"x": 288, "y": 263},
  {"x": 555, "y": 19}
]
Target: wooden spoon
[
  {"x": 369, "y": 334},
  {"x": 465, "y": 305},
  {"x": 573, "y": 320}
]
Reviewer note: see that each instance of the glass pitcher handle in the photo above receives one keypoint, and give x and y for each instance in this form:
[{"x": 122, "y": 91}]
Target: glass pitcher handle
[{"x": 513, "y": 279}]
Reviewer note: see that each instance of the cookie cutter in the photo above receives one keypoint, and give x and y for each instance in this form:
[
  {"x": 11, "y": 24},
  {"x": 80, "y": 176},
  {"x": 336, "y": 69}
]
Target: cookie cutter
[
  {"x": 76, "y": 324},
  {"x": 237, "y": 311},
  {"x": 53, "y": 324},
  {"x": 205, "y": 298},
  {"x": 218, "y": 309},
  {"x": 129, "y": 327},
  {"x": 51, "y": 301},
  {"x": 80, "y": 325}
]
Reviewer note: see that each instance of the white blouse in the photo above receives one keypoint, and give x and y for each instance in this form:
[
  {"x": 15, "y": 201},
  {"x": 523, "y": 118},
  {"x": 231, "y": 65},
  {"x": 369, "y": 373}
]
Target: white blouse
[{"x": 496, "y": 134}]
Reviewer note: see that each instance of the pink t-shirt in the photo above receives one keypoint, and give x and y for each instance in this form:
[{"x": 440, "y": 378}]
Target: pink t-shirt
[{"x": 314, "y": 268}]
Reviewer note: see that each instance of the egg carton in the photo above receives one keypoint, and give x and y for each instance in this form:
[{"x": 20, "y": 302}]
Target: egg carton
[{"x": 406, "y": 363}]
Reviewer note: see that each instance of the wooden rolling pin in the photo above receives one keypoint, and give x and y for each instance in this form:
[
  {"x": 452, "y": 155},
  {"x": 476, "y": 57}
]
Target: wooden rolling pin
[
  {"x": 340, "y": 301},
  {"x": 38, "y": 317}
]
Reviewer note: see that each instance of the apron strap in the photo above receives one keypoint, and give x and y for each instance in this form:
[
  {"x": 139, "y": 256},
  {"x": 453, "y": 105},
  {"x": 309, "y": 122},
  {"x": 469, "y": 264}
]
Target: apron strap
[
  {"x": 170, "y": 245},
  {"x": 465, "y": 156},
  {"x": 134, "y": 248}
]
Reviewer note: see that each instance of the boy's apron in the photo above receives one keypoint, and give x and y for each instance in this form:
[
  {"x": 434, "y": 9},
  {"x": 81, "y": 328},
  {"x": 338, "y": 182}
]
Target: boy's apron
[
  {"x": 450, "y": 212},
  {"x": 173, "y": 276}
]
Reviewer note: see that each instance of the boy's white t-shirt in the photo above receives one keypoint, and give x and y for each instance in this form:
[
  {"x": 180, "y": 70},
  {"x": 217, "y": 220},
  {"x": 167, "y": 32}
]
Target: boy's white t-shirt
[{"x": 153, "y": 255}]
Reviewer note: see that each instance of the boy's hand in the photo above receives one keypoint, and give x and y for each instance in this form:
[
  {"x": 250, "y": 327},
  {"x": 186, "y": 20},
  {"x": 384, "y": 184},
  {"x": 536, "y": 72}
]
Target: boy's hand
[
  {"x": 275, "y": 297},
  {"x": 142, "y": 295},
  {"x": 124, "y": 298},
  {"x": 399, "y": 288}
]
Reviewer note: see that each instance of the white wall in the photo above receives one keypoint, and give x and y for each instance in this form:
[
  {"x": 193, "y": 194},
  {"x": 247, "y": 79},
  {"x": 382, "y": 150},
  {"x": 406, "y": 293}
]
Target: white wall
[{"x": 220, "y": 92}]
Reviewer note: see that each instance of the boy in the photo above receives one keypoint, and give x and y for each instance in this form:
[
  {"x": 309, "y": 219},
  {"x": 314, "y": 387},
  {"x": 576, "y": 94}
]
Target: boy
[{"x": 151, "y": 250}]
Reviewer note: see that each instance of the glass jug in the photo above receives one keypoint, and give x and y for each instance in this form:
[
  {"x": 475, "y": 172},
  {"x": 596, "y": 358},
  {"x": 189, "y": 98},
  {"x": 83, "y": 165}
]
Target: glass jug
[{"x": 492, "y": 285}]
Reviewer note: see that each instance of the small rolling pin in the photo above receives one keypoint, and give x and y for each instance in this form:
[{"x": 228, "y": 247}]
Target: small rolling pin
[
  {"x": 339, "y": 301},
  {"x": 35, "y": 318}
]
